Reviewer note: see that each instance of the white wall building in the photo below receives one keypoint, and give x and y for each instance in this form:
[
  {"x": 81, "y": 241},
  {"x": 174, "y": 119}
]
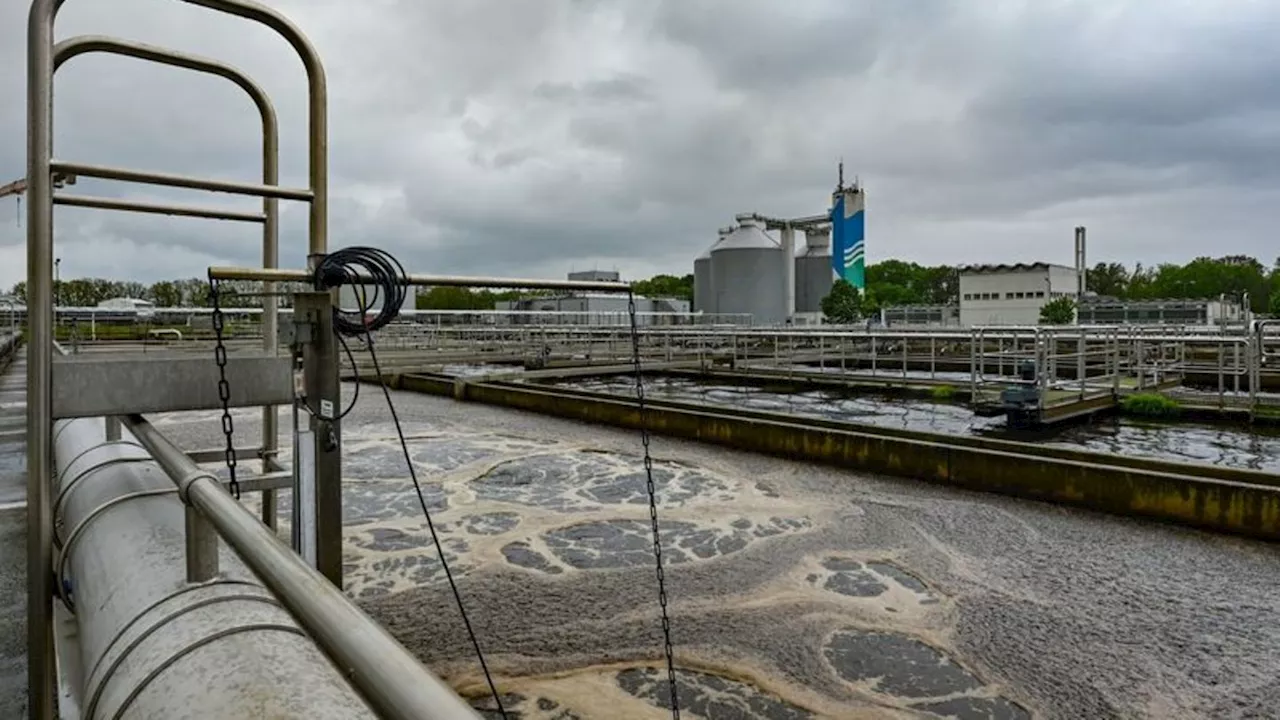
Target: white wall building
[
  {"x": 144, "y": 309},
  {"x": 1011, "y": 294}
]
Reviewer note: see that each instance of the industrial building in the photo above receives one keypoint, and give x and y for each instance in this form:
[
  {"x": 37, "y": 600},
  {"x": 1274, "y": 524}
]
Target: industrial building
[
  {"x": 920, "y": 315},
  {"x": 1094, "y": 310},
  {"x": 747, "y": 271},
  {"x": 586, "y": 308},
  {"x": 1012, "y": 294},
  {"x": 595, "y": 276}
]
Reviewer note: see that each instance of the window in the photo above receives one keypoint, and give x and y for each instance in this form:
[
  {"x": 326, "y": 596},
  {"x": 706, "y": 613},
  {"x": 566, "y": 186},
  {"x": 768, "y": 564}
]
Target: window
[
  {"x": 1039, "y": 293},
  {"x": 968, "y": 296},
  {"x": 1022, "y": 296}
]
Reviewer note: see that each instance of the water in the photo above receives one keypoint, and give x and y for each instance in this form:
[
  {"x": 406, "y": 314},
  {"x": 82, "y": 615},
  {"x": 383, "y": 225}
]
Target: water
[
  {"x": 796, "y": 591},
  {"x": 1256, "y": 448}
]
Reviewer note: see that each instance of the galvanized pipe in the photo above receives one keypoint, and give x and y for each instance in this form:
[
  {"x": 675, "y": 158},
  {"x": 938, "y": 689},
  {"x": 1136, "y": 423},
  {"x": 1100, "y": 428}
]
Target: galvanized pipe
[
  {"x": 305, "y": 276},
  {"x": 193, "y": 211},
  {"x": 41, "y": 667},
  {"x": 180, "y": 181},
  {"x": 152, "y": 644},
  {"x": 389, "y": 677}
]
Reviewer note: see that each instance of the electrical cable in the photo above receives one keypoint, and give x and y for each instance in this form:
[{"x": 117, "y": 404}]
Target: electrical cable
[{"x": 387, "y": 277}]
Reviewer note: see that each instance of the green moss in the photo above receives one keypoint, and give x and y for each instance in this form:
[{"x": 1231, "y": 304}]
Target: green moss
[
  {"x": 943, "y": 392},
  {"x": 1150, "y": 405}
]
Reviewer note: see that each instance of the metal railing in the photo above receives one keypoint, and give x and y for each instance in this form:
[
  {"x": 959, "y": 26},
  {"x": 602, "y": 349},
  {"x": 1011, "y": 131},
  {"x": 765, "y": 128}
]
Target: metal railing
[
  {"x": 392, "y": 681},
  {"x": 43, "y": 59}
]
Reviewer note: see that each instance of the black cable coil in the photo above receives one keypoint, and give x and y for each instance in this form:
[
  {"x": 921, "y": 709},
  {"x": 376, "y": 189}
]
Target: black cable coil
[{"x": 363, "y": 268}]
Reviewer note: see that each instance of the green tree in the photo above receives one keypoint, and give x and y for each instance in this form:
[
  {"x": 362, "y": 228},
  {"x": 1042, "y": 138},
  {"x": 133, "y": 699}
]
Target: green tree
[
  {"x": 666, "y": 286},
  {"x": 844, "y": 305},
  {"x": 453, "y": 298},
  {"x": 1058, "y": 311},
  {"x": 1111, "y": 279},
  {"x": 165, "y": 294},
  {"x": 896, "y": 282},
  {"x": 1274, "y": 305}
]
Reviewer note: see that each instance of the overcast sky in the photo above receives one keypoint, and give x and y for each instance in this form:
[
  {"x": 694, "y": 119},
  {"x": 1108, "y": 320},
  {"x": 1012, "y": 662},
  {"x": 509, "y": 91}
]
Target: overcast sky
[{"x": 539, "y": 136}]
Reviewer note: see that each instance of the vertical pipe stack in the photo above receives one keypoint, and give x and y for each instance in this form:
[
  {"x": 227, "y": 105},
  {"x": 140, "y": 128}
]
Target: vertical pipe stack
[
  {"x": 152, "y": 644},
  {"x": 789, "y": 272},
  {"x": 1082, "y": 266}
]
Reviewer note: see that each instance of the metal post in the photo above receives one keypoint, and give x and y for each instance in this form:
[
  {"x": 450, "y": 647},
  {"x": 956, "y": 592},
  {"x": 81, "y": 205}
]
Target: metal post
[
  {"x": 1235, "y": 368},
  {"x": 973, "y": 366},
  {"x": 113, "y": 428},
  {"x": 933, "y": 357},
  {"x": 791, "y": 355},
  {"x": 1080, "y": 368},
  {"x": 202, "y": 547},
  {"x": 904, "y": 360},
  {"x": 321, "y": 385},
  {"x": 1222, "y": 389},
  {"x": 1044, "y": 352},
  {"x": 1139, "y": 351},
  {"x": 41, "y": 670},
  {"x": 1115, "y": 362}
]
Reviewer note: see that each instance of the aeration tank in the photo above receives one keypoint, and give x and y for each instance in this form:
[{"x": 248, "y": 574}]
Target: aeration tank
[
  {"x": 704, "y": 296},
  {"x": 747, "y": 274}
]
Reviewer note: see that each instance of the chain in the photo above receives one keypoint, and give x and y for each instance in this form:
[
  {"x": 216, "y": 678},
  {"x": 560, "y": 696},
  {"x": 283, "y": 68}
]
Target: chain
[
  {"x": 653, "y": 505},
  {"x": 224, "y": 387}
]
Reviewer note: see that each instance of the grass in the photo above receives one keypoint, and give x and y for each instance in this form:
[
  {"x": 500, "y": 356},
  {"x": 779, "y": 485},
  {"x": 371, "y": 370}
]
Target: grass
[
  {"x": 1150, "y": 405},
  {"x": 943, "y": 392}
]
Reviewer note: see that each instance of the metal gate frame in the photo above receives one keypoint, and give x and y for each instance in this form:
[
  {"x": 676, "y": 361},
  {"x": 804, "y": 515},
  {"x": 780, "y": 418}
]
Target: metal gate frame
[{"x": 43, "y": 60}]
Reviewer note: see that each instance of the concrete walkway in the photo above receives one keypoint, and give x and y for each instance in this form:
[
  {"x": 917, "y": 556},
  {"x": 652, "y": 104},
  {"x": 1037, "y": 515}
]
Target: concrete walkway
[{"x": 13, "y": 539}]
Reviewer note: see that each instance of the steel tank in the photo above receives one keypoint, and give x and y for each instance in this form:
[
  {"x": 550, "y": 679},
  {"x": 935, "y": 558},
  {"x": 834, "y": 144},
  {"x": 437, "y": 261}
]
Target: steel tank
[
  {"x": 813, "y": 271},
  {"x": 704, "y": 297},
  {"x": 748, "y": 274}
]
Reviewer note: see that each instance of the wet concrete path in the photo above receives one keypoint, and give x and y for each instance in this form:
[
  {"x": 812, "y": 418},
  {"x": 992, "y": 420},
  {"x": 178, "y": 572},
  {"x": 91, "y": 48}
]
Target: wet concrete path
[{"x": 13, "y": 539}]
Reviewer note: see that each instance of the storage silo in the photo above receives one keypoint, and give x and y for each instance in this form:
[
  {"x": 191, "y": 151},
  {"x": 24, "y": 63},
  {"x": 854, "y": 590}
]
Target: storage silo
[
  {"x": 813, "y": 270},
  {"x": 747, "y": 274},
  {"x": 704, "y": 296}
]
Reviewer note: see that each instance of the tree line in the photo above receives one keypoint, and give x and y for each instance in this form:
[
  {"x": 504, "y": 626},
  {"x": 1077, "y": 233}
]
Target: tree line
[
  {"x": 187, "y": 292},
  {"x": 894, "y": 282},
  {"x": 889, "y": 283}
]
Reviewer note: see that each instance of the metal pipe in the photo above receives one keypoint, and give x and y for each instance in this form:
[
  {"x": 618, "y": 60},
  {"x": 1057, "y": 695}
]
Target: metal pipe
[
  {"x": 181, "y": 181},
  {"x": 789, "y": 272},
  {"x": 41, "y": 669},
  {"x": 194, "y": 211},
  {"x": 140, "y": 622},
  {"x": 389, "y": 677},
  {"x": 305, "y": 276},
  {"x": 317, "y": 108}
]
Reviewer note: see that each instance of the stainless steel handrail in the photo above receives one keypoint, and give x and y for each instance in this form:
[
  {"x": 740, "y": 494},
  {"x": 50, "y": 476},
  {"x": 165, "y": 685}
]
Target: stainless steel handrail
[{"x": 390, "y": 679}]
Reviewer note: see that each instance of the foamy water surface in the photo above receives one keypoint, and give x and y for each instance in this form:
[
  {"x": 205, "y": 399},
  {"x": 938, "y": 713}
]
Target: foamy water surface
[{"x": 795, "y": 591}]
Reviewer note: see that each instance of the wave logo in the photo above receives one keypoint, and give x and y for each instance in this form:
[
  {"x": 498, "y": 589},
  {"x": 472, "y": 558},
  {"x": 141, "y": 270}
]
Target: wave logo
[{"x": 848, "y": 237}]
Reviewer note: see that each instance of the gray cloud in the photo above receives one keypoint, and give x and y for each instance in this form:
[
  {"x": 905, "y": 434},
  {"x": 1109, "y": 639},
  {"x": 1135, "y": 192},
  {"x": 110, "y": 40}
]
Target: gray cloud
[{"x": 525, "y": 138}]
